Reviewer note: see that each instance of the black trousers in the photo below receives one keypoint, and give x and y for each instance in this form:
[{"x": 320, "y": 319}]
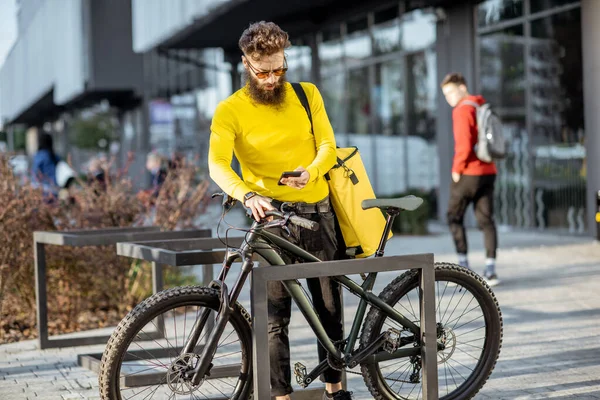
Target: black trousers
[
  {"x": 479, "y": 190},
  {"x": 326, "y": 297}
]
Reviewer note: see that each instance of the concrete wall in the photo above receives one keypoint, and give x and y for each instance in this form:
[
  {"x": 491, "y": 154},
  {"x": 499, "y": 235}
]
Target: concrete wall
[
  {"x": 114, "y": 65},
  {"x": 156, "y": 20},
  {"x": 48, "y": 54},
  {"x": 455, "y": 53},
  {"x": 590, "y": 26}
]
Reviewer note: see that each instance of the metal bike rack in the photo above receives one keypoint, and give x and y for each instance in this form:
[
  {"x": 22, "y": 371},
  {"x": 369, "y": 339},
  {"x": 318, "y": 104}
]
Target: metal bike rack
[
  {"x": 177, "y": 253},
  {"x": 260, "y": 277},
  {"x": 90, "y": 237}
]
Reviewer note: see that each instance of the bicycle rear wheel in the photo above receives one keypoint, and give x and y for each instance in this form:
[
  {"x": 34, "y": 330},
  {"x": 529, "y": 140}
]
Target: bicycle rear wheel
[
  {"x": 143, "y": 356},
  {"x": 469, "y": 323}
]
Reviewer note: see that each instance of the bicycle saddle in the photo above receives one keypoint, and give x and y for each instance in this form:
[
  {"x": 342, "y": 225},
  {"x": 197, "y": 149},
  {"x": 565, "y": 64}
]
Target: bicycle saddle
[{"x": 408, "y": 203}]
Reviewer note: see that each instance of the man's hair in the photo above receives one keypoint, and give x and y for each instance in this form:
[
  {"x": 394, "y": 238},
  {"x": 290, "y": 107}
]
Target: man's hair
[
  {"x": 455, "y": 78},
  {"x": 263, "y": 39}
]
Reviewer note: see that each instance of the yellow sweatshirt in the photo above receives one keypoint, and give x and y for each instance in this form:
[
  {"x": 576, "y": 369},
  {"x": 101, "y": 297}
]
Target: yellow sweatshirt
[{"x": 268, "y": 141}]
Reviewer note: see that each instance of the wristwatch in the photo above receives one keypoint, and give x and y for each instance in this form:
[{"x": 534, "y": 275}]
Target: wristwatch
[{"x": 248, "y": 196}]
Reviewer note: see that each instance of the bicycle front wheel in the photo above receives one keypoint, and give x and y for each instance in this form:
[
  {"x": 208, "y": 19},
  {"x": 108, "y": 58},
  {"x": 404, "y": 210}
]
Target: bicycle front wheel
[
  {"x": 143, "y": 358},
  {"x": 469, "y": 324}
]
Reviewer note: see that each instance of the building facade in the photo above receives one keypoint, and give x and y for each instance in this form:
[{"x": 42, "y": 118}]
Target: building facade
[{"x": 378, "y": 67}]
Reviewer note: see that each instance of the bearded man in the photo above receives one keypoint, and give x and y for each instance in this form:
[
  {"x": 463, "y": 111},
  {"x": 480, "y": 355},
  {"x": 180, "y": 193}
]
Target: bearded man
[{"x": 267, "y": 128}]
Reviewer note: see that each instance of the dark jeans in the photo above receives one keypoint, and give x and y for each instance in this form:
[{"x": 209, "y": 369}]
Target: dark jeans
[
  {"x": 326, "y": 298},
  {"x": 479, "y": 190}
]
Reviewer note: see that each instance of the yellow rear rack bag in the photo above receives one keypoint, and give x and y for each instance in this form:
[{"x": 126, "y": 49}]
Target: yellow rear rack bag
[{"x": 349, "y": 185}]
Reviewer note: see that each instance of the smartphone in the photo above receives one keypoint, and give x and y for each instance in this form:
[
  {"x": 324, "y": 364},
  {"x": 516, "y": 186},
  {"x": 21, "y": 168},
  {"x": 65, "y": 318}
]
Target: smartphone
[{"x": 289, "y": 174}]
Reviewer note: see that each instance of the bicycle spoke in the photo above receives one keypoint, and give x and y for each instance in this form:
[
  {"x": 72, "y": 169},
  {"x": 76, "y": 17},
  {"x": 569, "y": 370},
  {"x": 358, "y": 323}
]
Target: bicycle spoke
[
  {"x": 455, "y": 307},
  {"x": 219, "y": 390},
  {"x": 471, "y": 345},
  {"x": 227, "y": 355},
  {"x": 457, "y": 371},
  {"x": 450, "y": 302},
  {"x": 175, "y": 327},
  {"x": 151, "y": 339},
  {"x": 472, "y": 340},
  {"x": 465, "y": 353},
  {"x": 147, "y": 388},
  {"x": 226, "y": 383},
  {"x": 227, "y": 344},
  {"x": 457, "y": 319},
  {"x": 393, "y": 372},
  {"x": 167, "y": 340},
  {"x": 406, "y": 369},
  {"x": 227, "y": 337},
  {"x": 468, "y": 322},
  {"x": 440, "y": 298},
  {"x": 411, "y": 307},
  {"x": 145, "y": 359},
  {"x": 139, "y": 372}
]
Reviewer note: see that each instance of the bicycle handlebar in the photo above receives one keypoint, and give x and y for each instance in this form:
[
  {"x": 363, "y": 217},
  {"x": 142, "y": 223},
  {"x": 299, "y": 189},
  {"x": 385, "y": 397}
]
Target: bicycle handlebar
[
  {"x": 294, "y": 219},
  {"x": 229, "y": 201}
]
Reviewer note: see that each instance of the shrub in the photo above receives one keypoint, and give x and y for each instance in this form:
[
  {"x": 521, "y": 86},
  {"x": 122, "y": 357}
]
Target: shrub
[
  {"x": 91, "y": 286},
  {"x": 415, "y": 222}
]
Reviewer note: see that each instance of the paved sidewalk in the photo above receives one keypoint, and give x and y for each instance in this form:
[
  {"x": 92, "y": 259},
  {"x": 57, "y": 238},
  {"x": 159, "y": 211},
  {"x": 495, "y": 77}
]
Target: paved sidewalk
[{"x": 549, "y": 298}]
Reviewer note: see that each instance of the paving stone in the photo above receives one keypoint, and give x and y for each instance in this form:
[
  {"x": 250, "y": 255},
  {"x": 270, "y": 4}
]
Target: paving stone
[{"x": 548, "y": 296}]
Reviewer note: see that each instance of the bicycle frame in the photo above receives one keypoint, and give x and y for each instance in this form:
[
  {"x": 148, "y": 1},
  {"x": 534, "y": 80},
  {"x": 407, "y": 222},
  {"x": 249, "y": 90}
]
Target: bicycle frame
[{"x": 259, "y": 242}]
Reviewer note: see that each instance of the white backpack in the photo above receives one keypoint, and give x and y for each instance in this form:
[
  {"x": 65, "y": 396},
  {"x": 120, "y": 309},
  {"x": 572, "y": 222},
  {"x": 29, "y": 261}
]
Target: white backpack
[{"x": 491, "y": 143}]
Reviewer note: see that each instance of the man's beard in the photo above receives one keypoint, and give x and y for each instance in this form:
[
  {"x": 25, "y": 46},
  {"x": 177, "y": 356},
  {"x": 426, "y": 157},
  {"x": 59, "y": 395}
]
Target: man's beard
[{"x": 273, "y": 97}]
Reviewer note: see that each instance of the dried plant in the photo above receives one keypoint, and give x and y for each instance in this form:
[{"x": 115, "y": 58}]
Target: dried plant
[{"x": 91, "y": 286}]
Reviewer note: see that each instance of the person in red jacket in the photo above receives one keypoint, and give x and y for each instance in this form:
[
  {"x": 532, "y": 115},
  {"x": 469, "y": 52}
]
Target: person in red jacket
[{"x": 472, "y": 179}]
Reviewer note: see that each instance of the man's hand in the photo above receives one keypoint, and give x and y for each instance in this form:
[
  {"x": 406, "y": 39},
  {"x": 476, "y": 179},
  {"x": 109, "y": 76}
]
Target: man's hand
[
  {"x": 299, "y": 182},
  {"x": 455, "y": 177},
  {"x": 258, "y": 205}
]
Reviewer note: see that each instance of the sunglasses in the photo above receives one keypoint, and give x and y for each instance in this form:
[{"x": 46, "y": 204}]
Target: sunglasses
[{"x": 265, "y": 74}]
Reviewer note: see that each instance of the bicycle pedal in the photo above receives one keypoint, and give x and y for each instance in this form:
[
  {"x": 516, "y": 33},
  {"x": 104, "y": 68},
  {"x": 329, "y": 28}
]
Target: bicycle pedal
[
  {"x": 300, "y": 372},
  {"x": 392, "y": 340}
]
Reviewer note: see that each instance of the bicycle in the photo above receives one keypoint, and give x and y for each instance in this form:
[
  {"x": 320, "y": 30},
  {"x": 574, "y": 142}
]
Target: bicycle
[{"x": 202, "y": 362}]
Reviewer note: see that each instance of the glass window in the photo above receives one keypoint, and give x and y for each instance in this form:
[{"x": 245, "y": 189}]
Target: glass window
[
  {"x": 388, "y": 98},
  {"x": 502, "y": 83},
  {"x": 385, "y": 15},
  {"x": 386, "y": 31},
  {"x": 557, "y": 114},
  {"x": 386, "y": 37},
  {"x": 502, "y": 70},
  {"x": 359, "y": 105},
  {"x": 332, "y": 90},
  {"x": 421, "y": 90},
  {"x": 418, "y": 30},
  {"x": 541, "y": 5},
  {"x": 299, "y": 63},
  {"x": 357, "y": 43},
  {"x": 331, "y": 55},
  {"x": 491, "y": 12},
  {"x": 331, "y": 51},
  {"x": 557, "y": 80}
]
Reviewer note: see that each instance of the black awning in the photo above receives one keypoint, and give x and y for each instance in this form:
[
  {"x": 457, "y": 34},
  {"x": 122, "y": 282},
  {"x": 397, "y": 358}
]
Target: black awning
[
  {"x": 223, "y": 26},
  {"x": 45, "y": 109}
]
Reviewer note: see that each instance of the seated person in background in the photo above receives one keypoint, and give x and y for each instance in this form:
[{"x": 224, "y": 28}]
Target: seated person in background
[{"x": 158, "y": 174}]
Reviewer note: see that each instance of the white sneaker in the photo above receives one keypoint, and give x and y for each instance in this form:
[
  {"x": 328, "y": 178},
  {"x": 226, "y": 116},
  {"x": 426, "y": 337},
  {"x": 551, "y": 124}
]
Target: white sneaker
[{"x": 492, "y": 279}]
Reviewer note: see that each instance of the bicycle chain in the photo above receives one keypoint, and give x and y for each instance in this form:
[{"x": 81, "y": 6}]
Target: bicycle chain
[{"x": 359, "y": 373}]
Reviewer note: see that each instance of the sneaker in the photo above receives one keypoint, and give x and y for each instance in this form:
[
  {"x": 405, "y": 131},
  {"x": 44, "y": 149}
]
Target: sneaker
[
  {"x": 340, "y": 395},
  {"x": 464, "y": 264},
  {"x": 491, "y": 279}
]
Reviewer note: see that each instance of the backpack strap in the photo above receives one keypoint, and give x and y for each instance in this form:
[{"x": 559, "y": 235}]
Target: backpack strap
[
  {"x": 470, "y": 103},
  {"x": 304, "y": 101}
]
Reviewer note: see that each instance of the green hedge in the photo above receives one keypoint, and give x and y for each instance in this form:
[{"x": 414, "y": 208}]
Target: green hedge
[{"x": 415, "y": 222}]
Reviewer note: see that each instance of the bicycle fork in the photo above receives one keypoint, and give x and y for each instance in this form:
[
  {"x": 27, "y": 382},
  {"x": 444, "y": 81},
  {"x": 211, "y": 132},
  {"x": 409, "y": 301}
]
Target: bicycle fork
[{"x": 205, "y": 361}]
